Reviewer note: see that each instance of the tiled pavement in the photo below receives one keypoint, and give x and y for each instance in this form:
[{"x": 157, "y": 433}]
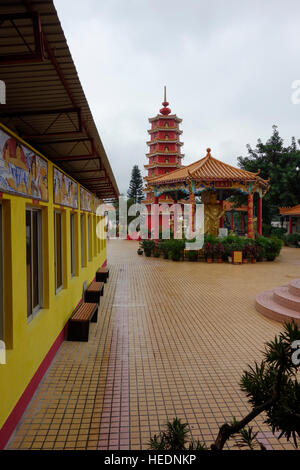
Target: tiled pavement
[{"x": 172, "y": 339}]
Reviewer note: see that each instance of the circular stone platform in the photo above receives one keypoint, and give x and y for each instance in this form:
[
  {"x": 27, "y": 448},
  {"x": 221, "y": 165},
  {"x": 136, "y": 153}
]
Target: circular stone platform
[{"x": 282, "y": 303}]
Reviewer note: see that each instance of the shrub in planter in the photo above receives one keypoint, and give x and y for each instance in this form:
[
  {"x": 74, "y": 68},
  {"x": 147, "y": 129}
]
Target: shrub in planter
[
  {"x": 140, "y": 251},
  {"x": 219, "y": 252},
  {"x": 246, "y": 252},
  {"x": 293, "y": 239},
  {"x": 209, "y": 251},
  {"x": 273, "y": 248},
  {"x": 253, "y": 253},
  {"x": 164, "y": 248},
  {"x": 192, "y": 255},
  {"x": 147, "y": 246},
  {"x": 176, "y": 248}
]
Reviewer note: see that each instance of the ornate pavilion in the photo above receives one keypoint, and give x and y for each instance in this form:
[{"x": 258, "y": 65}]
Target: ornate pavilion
[
  {"x": 213, "y": 181},
  {"x": 292, "y": 216}
]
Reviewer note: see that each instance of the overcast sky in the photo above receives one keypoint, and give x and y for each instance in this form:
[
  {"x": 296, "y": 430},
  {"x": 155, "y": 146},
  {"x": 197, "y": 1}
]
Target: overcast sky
[{"x": 228, "y": 66}]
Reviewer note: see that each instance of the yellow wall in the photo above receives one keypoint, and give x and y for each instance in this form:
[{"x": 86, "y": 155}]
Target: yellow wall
[{"x": 29, "y": 341}]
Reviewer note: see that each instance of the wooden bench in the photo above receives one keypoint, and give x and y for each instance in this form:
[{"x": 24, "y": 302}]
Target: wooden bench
[
  {"x": 79, "y": 323},
  {"x": 94, "y": 291},
  {"x": 102, "y": 274}
]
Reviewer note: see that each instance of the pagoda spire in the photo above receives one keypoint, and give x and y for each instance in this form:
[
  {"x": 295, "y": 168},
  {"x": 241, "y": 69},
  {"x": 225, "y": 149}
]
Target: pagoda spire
[{"x": 165, "y": 110}]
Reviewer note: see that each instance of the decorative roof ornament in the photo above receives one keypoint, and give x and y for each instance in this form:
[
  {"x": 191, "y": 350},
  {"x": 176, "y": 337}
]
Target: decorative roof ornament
[{"x": 165, "y": 110}]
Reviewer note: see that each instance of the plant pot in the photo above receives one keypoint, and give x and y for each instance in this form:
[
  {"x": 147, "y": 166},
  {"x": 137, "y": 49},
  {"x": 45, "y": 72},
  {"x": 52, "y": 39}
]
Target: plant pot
[
  {"x": 140, "y": 252},
  {"x": 209, "y": 260},
  {"x": 245, "y": 261},
  {"x": 148, "y": 253},
  {"x": 219, "y": 260},
  {"x": 253, "y": 261},
  {"x": 229, "y": 259}
]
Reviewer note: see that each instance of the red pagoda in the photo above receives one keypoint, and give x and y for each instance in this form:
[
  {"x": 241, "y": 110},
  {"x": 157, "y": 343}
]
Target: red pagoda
[{"x": 164, "y": 150}]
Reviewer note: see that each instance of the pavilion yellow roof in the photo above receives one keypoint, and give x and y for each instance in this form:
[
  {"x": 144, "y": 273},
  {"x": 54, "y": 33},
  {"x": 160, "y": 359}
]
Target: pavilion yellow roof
[
  {"x": 295, "y": 210},
  {"x": 207, "y": 169}
]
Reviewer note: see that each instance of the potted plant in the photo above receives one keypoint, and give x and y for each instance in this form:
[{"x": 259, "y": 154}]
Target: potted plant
[
  {"x": 140, "y": 251},
  {"x": 253, "y": 252},
  {"x": 246, "y": 253},
  {"x": 176, "y": 248},
  {"x": 219, "y": 252},
  {"x": 192, "y": 255},
  {"x": 148, "y": 247},
  {"x": 209, "y": 252}
]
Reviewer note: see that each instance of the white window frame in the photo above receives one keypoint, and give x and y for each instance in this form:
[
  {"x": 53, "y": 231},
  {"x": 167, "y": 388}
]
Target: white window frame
[
  {"x": 37, "y": 308},
  {"x": 58, "y": 288}
]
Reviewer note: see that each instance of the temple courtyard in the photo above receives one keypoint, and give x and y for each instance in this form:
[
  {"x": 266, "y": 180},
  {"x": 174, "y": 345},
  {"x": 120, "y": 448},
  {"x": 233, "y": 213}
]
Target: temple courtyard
[{"x": 172, "y": 339}]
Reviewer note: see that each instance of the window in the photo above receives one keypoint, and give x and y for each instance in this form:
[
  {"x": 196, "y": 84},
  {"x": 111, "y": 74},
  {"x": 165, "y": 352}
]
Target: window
[
  {"x": 72, "y": 243},
  {"x": 89, "y": 238},
  {"x": 1, "y": 280},
  {"x": 82, "y": 237},
  {"x": 34, "y": 254},
  {"x": 58, "y": 251}
]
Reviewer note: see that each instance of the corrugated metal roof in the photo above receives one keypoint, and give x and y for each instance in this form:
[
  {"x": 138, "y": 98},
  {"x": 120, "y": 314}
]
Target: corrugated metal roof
[{"x": 46, "y": 104}]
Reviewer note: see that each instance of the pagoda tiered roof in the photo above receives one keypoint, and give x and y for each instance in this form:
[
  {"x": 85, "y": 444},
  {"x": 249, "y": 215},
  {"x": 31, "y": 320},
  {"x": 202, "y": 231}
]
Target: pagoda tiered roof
[
  {"x": 161, "y": 116},
  {"x": 208, "y": 169}
]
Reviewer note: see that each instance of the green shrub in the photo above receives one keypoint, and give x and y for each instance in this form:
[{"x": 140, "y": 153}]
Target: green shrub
[
  {"x": 192, "y": 255},
  {"x": 148, "y": 246},
  {"x": 293, "y": 239},
  {"x": 175, "y": 249},
  {"x": 269, "y": 247}
]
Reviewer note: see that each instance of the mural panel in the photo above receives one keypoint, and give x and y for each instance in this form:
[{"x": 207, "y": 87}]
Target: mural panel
[
  {"x": 22, "y": 172},
  {"x": 65, "y": 190}
]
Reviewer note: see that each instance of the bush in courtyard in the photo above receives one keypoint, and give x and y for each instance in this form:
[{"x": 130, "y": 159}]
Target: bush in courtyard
[
  {"x": 219, "y": 250},
  {"x": 293, "y": 239},
  {"x": 148, "y": 246},
  {"x": 192, "y": 255},
  {"x": 271, "y": 387}
]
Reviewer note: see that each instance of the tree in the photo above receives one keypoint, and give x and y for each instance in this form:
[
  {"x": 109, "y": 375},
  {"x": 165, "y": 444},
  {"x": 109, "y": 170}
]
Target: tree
[
  {"x": 272, "y": 388},
  {"x": 279, "y": 163},
  {"x": 135, "y": 190}
]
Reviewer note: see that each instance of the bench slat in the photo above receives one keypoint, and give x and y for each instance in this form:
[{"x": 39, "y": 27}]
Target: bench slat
[
  {"x": 95, "y": 286},
  {"x": 84, "y": 312}
]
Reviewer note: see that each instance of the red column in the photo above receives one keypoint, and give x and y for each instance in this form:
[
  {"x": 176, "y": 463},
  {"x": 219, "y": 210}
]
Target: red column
[
  {"x": 222, "y": 218},
  {"x": 290, "y": 225},
  {"x": 155, "y": 221},
  {"x": 250, "y": 216},
  {"x": 192, "y": 202},
  {"x": 259, "y": 216}
]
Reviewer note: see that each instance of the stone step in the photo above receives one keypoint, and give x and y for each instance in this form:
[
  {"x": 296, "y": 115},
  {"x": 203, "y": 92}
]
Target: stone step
[
  {"x": 266, "y": 304},
  {"x": 294, "y": 287},
  {"x": 284, "y": 297}
]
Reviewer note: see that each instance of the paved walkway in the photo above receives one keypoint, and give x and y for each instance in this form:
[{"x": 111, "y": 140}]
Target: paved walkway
[{"x": 172, "y": 339}]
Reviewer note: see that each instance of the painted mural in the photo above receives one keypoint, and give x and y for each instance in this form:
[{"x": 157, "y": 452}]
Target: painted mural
[
  {"x": 21, "y": 170},
  {"x": 65, "y": 190},
  {"x": 86, "y": 200}
]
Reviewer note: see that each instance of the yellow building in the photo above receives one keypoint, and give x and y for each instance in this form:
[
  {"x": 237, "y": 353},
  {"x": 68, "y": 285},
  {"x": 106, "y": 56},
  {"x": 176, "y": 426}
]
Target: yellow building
[{"x": 51, "y": 182}]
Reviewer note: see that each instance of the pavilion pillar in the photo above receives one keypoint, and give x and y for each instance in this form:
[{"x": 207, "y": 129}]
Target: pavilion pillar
[
  {"x": 222, "y": 218},
  {"x": 250, "y": 216},
  {"x": 259, "y": 215},
  {"x": 192, "y": 202},
  {"x": 290, "y": 225},
  {"x": 155, "y": 219}
]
